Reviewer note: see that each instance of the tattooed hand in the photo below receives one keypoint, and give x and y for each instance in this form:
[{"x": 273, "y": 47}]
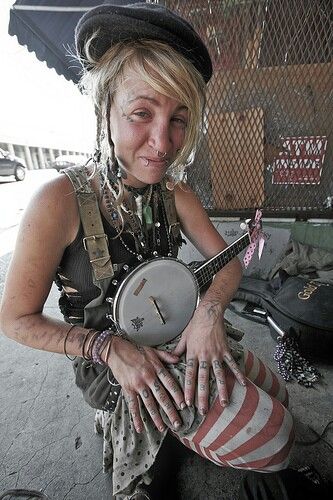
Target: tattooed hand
[
  {"x": 141, "y": 373},
  {"x": 206, "y": 347}
]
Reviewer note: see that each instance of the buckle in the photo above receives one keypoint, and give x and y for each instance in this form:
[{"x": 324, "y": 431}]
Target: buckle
[{"x": 94, "y": 238}]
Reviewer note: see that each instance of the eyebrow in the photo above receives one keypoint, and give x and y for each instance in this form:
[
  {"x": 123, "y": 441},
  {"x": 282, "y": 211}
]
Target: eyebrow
[{"x": 154, "y": 101}]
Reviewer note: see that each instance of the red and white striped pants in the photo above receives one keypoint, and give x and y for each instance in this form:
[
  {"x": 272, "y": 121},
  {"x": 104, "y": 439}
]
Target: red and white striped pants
[{"x": 255, "y": 431}]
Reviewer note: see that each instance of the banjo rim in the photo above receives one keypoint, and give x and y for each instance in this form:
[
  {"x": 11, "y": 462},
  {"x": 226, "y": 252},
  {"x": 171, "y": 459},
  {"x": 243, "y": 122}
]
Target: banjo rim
[{"x": 127, "y": 278}]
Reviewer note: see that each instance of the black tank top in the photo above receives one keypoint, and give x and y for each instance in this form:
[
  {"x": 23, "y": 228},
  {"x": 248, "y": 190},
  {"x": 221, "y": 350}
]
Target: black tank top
[{"x": 74, "y": 274}]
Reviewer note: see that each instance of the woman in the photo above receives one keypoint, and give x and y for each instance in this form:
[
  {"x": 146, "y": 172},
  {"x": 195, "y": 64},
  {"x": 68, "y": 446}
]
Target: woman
[{"x": 146, "y": 71}]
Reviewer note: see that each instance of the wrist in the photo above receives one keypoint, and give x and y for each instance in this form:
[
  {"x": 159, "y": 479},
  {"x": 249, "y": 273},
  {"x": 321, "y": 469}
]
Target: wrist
[
  {"x": 212, "y": 306},
  {"x": 88, "y": 344},
  {"x": 110, "y": 346}
]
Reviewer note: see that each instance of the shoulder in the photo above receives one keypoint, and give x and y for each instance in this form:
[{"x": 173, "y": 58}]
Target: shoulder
[
  {"x": 54, "y": 206},
  {"x": 195, "y": 222},
  {"x": 186, "y": 199}
]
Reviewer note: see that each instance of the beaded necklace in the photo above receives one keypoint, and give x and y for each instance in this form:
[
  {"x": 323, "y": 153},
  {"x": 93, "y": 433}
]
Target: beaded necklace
[{"x": 141, "y": 214}]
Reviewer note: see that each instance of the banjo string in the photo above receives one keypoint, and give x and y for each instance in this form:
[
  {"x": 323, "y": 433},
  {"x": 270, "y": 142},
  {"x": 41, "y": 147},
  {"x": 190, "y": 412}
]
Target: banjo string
[{"x": 208, "y": 269}]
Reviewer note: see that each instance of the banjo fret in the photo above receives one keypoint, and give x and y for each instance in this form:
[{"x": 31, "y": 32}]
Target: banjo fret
[{"x": 208, "y": 269}]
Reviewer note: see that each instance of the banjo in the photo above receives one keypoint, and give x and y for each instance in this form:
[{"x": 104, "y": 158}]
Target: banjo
[{"x": 156, "y": 300}]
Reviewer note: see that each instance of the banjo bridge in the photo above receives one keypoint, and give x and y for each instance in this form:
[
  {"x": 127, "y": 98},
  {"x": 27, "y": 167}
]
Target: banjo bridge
[{"x": 157, "y": 310}]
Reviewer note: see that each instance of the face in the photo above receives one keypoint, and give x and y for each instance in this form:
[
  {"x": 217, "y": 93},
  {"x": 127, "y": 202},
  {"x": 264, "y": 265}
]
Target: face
[{"x": 147, "y": 129}]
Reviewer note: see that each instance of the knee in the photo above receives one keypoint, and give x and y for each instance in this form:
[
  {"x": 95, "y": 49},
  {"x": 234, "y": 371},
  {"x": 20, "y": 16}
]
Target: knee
[{"x": 279, "y": 447}]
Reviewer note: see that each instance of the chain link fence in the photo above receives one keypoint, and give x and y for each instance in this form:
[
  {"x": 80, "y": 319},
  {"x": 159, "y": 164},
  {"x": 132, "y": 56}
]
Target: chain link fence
[{"x": 268, "y": 134}]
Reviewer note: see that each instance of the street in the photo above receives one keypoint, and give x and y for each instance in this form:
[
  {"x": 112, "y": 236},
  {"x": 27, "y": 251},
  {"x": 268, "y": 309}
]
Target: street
[{"x": 14, "y": 197}]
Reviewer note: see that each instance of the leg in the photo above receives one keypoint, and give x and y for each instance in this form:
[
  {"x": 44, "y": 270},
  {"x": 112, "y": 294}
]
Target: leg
[
  {"x": 166, "y": 467},
  {"x": 262, "y": 376},
  {"x": 255, "y": 431}
]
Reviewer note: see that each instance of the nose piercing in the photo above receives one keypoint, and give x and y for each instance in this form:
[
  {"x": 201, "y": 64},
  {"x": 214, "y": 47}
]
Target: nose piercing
[{"x": 160, "y": 154}]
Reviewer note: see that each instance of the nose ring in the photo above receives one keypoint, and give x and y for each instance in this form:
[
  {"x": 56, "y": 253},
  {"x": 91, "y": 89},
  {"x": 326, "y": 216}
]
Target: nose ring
[{"x": 160, "y": 154}]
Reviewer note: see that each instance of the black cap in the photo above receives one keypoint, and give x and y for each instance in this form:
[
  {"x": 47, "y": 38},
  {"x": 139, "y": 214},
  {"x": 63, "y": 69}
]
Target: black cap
[{"x": 141, "y": 21}]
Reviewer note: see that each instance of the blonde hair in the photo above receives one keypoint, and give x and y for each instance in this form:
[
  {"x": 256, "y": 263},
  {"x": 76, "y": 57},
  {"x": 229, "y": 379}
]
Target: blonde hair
[{"x": 161, "y": 67}]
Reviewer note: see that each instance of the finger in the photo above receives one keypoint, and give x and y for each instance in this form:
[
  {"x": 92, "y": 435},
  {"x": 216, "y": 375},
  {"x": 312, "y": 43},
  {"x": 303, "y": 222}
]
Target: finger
[
  {"x": 203, "y": 386},
  {"x": 190, "y": 380},
  {"x": 221, "y": 382},
  {"x": 133, "y": 407},
  {"x": 167, "y": 357},
  {"x": 165, "y": 403},
  {"x": 229, "y": 360},
  {"x": 180, "y": 347},
  {"x": 172, "y": 387},
  {"x": 151, "y": 406}
]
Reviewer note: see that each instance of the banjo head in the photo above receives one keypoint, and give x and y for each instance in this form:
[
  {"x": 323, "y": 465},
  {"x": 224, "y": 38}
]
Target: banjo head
[{"x": 156, "y": 301}]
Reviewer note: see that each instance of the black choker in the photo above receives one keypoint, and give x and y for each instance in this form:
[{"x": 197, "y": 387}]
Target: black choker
[{"x": 137, "y": 191}]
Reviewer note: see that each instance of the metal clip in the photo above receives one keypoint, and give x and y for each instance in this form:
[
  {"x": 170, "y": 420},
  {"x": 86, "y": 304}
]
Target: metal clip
[{"x": 94, "y": 238}]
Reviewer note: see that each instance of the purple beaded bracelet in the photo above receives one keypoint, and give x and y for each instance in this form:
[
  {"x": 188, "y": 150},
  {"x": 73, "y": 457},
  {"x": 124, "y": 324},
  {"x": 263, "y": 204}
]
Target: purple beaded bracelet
[{"x": 98, "y": 345}]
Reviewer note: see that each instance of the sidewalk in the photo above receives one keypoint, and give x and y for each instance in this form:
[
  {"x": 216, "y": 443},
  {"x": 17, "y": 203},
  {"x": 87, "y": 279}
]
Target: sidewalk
[{"x": 48, "y": 443}]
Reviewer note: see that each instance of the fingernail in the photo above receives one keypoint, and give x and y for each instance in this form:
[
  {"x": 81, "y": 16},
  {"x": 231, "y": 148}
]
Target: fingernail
[
  {"x": 244, "y": 383},
  {"x": 161, "y": 428},
  {"x": 203, "y": 411},
  {"x": 188, "y": 402},
  {"x": 176, "y": 424},
  {"x": 182, "y": 405},
  {"x": 224, "y": 402}
]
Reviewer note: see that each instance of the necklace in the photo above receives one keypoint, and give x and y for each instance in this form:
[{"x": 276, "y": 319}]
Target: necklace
[
  {"x": 142, "y": 197},
  {"x": 145, "y": 230}
]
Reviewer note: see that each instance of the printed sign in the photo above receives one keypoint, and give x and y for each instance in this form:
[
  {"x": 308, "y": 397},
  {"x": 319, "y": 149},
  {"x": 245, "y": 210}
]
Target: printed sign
[{"x": 300, "y": 161}]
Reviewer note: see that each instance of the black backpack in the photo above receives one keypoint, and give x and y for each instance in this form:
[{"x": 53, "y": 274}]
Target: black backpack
[{"x": 297, "y": 306}]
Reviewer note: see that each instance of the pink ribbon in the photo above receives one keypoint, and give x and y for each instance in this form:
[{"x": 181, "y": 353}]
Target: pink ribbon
[{"x": 257, "y": 238}]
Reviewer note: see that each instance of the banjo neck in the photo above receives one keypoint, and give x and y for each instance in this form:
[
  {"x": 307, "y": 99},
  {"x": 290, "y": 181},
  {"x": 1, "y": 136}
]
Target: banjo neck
[{"x": 206, "y": 271}]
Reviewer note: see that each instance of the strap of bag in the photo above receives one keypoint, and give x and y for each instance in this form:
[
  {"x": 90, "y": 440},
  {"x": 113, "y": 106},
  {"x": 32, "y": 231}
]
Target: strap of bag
[{"x": 95, "y": 241}]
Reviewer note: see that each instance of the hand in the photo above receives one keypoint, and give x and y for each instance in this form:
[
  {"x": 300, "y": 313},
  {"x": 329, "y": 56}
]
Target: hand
[
  {"x": 141, "y": 374},
  {"x": 206, "y": 347}
]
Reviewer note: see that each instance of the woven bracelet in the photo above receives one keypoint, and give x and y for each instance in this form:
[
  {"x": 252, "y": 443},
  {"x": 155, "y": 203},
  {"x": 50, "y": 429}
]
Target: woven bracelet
[{"x": 98, "y": 346}]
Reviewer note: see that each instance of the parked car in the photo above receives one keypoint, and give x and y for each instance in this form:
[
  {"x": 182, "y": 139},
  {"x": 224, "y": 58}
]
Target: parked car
[
  {"x": 65, "y": 161},
  {"x": 12, "y": 165}
]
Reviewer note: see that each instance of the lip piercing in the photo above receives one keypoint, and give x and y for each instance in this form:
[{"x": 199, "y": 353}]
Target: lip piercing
[{"x": 146, "y": 162}]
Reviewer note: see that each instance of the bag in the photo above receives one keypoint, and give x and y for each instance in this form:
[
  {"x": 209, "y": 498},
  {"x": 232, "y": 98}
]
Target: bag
[
  {"x": 299, "y": 306},
  {"x": 96, "y": 385}
]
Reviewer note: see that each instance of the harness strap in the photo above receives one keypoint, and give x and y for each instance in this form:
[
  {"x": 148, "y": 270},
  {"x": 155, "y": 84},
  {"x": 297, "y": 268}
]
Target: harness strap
[{"x": 95, "y": 240}]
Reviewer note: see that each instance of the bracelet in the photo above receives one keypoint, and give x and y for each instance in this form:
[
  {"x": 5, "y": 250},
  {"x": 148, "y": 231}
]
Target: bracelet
[
  {"x": 90, "y": 343},
  {"x": 108, "y": 349},
  {"x": 66, "y": 337},
  {"x": 98, "y": 346}
]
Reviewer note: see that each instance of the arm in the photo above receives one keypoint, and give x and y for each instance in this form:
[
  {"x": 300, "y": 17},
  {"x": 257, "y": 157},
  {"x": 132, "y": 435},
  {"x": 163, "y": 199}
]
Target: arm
[
  {"x": 39, "y": 248},
  {"x": 50, "y": 224},
  {"x": 204, "y": 338}
]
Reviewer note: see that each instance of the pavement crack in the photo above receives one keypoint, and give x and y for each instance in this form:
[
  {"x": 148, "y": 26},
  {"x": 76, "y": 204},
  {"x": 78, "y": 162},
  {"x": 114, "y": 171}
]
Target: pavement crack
[{"x": 82, "y": 484}]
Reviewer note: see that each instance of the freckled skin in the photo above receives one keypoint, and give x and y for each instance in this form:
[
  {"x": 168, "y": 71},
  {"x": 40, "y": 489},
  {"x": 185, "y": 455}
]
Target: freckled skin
[{"x": 142, "y": 122}]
